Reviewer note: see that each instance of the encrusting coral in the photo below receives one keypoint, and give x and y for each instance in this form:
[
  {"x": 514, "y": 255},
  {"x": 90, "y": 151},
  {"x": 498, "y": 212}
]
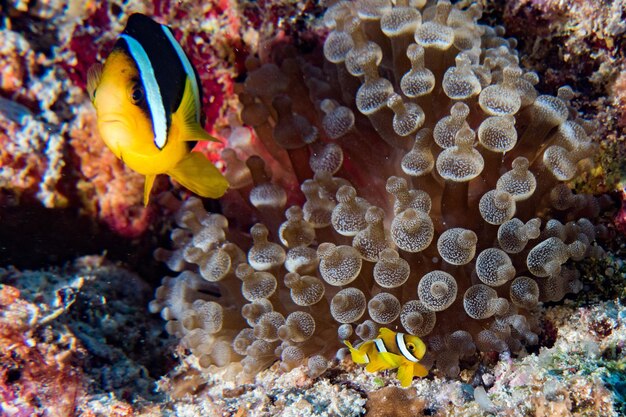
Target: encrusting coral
[{"x": 434, "y": 178}]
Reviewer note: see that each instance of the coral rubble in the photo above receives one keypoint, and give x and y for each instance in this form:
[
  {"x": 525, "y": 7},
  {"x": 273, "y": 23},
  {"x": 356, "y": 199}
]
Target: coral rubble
[
  {"x": 434, "y": 198},
  {"x": 76, "y": 337},
  {"x": 33, "y": 376}
]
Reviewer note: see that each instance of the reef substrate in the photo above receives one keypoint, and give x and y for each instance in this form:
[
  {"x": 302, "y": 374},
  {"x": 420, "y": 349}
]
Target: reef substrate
[{"x": 56, "y": 359}]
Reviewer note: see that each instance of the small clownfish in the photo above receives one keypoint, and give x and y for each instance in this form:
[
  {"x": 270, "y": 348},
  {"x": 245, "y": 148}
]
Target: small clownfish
[
  {"x": 147, "y": 100},
  {"x": 391, "y": 350}
]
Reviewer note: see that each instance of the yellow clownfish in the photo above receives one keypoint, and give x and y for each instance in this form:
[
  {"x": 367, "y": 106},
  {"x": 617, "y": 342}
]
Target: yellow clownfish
[
  {"x": 147, "y": 100},
  {"x": 391, "y": 350}
]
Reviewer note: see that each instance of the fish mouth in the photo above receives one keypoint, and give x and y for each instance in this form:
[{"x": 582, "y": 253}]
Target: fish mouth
[
  {"x": 111, "y": 122},
  {"x": 114, "y": 118}
]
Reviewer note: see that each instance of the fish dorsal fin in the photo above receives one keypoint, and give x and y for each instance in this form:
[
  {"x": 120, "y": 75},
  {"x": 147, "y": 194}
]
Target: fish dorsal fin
[
  {"x": 388, "y": 335},
  {"x": 185, "y": 115},
  {"x": 94, "y": 75}
]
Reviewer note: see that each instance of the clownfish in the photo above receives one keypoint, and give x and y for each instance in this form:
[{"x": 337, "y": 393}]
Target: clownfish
[
  {"x": 391, "y": 350},
  {"x": 147, "y": 101}
]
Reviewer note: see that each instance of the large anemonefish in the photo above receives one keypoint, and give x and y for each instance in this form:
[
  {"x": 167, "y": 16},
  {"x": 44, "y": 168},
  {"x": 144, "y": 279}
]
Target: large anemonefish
[
  {"x": 391, "y": 350},
  {"x": 147, "y": 100}
]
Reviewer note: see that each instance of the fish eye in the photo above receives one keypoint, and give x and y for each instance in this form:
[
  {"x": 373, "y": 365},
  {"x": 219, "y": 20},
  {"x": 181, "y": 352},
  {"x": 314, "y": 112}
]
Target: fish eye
[
  {"x": 410, "y": 346},
  {"x": 136, "y": 93}
]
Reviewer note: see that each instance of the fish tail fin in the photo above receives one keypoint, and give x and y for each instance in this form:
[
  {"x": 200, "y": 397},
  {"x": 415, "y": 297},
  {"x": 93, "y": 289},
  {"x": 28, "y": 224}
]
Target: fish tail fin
[
  {"x": 187, "y": 116},
  {"x": 357, "y": 355},
  {"x": 147, "y": 187},
  {"x": 196, "y": 173},
  {"x": 405, "y": 374}
]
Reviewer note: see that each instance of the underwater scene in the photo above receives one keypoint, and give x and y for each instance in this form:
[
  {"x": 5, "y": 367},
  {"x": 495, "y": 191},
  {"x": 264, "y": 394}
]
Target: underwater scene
[{"x": 303, "y": 208}]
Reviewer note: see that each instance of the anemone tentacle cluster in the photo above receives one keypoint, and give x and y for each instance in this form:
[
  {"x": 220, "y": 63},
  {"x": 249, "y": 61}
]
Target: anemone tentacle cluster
[{"x": 434, "y": 198}]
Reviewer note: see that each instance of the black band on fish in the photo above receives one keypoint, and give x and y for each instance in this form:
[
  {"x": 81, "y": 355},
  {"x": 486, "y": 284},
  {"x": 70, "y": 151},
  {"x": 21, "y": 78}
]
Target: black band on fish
[
  {"x": 403, "y": 349},
  {"x": 187, "y": 67},
  {"x": 151, "y": 87}
]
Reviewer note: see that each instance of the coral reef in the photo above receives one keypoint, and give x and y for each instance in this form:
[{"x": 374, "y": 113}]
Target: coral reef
[
  {"x": 578, "y": 375},
  {"x": 77, "y": 340},
  {"x": 582, "y": 45},
  {"x": 394, "y": 402},
  {"x": 585, "y": 355},
  {"x": 74, "y": 337},
  {"x": 50, "y": 152},
  {"x": 33, "y": 376},
  {"x": 51, "y": 155},
  {"x": 434, "y": 199}
]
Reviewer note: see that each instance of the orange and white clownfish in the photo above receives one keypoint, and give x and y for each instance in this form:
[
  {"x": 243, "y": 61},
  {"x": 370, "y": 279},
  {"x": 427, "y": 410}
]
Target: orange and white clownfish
[
  {"x": 147, "y": 99},
  {"x": 391, "y": 350}
]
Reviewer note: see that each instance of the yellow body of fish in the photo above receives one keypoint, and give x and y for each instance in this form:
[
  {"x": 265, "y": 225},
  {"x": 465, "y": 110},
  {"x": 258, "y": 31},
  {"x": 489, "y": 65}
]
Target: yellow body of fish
[
  {"x": 127, "y": 129},
  {"x": 391, "y": 350}
]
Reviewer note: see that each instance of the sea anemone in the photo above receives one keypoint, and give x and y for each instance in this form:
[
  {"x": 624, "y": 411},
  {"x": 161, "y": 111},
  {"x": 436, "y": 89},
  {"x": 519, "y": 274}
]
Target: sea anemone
[{"x": 411, "y": 178}]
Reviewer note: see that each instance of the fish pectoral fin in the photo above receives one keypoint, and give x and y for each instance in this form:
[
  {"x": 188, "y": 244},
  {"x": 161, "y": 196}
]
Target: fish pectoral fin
[
  {"x": 357, "y": 355},
  {"x": 147, "y": 187},
  {"x": 94, "y": 75},
  {"x": 392, "y": 359},
  {"x": 187, "y": 116},
  {"x": 405, "y": 374},
  {"x": 419, "y": 370},
  {"x": 196, "y": 173}
]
